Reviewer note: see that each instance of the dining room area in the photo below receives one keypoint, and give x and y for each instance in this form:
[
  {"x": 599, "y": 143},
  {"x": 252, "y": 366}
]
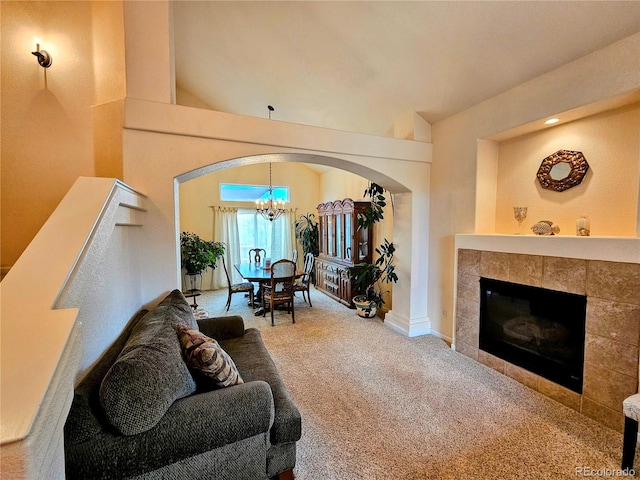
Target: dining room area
[
  {"x": 231, "y": 207},
  {"x": 277, "y": 283}
]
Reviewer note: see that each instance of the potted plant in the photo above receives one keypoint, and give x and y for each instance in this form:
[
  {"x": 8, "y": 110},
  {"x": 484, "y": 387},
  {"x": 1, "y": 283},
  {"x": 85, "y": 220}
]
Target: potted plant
[
  {"x": 307, "y": 233},
  {"x": 367, "y": 280},
  {"x": 375, "y": 211},
  {"x": 196, "y": 255}
]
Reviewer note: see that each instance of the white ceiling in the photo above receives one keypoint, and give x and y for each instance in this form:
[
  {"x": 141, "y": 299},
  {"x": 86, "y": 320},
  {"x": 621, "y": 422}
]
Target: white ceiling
[{"x": 359, "y": 66}]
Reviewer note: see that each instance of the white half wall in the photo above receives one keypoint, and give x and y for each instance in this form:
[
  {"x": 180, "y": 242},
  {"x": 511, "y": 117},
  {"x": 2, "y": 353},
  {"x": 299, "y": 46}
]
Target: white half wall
[{"x": 66, "y": 299}]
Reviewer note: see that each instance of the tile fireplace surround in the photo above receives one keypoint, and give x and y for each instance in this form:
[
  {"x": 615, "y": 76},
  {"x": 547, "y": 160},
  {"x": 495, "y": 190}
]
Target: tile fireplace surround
[{"x": 605, "y": 269}]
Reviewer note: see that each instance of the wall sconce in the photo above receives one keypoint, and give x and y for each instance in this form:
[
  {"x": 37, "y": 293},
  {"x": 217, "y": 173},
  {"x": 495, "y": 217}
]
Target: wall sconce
[{"x": 44, "y": 59}]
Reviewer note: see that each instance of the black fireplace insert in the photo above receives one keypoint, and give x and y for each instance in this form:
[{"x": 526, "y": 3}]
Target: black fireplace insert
[{"x": 535, "y": 328}]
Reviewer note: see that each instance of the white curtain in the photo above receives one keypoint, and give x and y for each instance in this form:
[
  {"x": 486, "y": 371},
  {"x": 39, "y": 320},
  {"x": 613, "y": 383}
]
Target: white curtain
[
  {"x": 225, "y": 229},
  {"x": 283, "y": 236}
]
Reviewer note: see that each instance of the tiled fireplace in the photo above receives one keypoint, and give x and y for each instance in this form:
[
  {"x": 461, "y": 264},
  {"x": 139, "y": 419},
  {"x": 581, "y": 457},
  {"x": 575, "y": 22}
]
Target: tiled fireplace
[{"x": 612, "y": 326}]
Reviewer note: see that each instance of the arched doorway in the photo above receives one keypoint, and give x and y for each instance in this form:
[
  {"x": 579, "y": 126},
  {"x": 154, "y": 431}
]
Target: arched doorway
[
  {"x": 202, "y": 206},
  {"x": 174, "y": 144}
]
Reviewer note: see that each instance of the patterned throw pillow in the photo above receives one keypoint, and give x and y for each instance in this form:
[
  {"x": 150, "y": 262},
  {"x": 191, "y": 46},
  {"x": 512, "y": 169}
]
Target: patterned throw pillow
[{"x": 205, "y": 355}]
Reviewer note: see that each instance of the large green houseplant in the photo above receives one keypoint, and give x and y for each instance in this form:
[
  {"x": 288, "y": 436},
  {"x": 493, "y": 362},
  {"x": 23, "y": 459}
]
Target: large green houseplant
[
  {"x": 368, "y": 279},
  {"x": 307, "y": 233},
  {"x": 196, "y": 255},
  {"x": 375, "y": 211}
]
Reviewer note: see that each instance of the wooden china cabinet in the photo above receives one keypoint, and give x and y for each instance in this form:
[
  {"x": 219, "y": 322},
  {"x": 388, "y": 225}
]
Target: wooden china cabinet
[{"x": 341, "y": 245}]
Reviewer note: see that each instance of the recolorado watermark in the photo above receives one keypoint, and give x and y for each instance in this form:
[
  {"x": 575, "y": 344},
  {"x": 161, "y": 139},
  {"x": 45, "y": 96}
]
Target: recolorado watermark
[{"x": 604, "y": 472}]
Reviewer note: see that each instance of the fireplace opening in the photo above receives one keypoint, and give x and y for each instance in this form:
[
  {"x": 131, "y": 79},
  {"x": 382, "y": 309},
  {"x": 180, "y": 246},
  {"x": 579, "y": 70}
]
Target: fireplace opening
[{"x": 535, "y": 328}]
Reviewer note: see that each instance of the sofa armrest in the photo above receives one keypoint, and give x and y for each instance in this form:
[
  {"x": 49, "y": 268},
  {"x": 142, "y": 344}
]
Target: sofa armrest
[
  {"x": 192, "y": 425},
  {"x": 222, "y": 328}
]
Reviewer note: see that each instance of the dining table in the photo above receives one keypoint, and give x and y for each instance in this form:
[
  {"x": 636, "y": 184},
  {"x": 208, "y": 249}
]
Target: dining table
[{"x": 255, "y": 273}]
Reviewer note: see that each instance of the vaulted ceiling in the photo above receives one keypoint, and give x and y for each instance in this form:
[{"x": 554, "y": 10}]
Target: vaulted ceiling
[{"x": 359, "y": 66}]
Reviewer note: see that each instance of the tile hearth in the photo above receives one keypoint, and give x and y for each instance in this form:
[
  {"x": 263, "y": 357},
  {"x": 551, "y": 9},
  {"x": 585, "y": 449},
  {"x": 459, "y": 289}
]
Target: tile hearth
[{"x": 612, "y": 324}]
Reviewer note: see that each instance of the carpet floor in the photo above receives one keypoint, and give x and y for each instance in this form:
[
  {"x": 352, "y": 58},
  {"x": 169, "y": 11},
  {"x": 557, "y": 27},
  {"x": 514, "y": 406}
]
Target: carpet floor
[{"x": 376, "y": 404}]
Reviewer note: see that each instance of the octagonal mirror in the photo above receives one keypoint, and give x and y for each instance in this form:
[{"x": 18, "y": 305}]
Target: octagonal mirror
[{"x": 562, "y": 170}]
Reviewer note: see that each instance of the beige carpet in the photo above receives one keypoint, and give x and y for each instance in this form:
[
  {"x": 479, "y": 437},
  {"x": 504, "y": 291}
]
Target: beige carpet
[{"x": 378, "y": 405}]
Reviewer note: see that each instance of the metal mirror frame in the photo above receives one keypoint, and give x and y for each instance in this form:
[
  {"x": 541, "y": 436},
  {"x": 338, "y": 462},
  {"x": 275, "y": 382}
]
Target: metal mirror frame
[{"x": 578, "y": 169}]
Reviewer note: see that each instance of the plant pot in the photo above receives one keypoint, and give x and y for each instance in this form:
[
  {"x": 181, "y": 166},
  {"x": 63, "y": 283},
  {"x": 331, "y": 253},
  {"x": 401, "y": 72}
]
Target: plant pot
[
  {"x": 364, "y": 308},
  {"x": 193, "y": 282}
]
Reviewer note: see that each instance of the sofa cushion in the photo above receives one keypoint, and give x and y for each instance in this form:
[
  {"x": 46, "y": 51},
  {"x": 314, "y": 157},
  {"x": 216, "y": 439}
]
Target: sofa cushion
[
  {"x": 205, "y": 355},
  {"x": 222, "y": 328},
  {"x": 149, "y": 374},
  {"x": 255, "y": 363}
]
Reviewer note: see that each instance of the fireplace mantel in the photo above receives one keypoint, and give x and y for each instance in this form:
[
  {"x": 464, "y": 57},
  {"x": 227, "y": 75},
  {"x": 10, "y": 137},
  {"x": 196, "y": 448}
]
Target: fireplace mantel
[{"x": 611, "y": 249}]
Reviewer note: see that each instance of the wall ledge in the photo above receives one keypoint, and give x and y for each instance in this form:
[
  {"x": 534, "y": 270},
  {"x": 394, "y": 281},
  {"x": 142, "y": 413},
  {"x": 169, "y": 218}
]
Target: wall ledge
[
  {"x": 612, "y": 249},
  {"x": 171, "y": 119}
]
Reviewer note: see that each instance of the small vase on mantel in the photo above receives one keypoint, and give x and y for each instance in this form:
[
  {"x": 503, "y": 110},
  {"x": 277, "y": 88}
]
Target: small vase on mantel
[{"x": 583, "y": 228}]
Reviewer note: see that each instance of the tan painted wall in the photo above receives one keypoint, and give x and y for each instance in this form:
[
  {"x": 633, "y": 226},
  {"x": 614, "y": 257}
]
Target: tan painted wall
[
  {"x": 338, "y": 184},
  {"x": 47, "y": 120},
  {"x": 608, "y": 194}
]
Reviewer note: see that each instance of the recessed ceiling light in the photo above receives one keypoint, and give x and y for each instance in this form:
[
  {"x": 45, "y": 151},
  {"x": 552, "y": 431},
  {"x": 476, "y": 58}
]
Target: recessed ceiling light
[{"x": 551, "y": 121}]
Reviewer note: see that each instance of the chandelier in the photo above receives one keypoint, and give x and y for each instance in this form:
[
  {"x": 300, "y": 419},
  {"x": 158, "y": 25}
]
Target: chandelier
[{"x": 270, "y": 208}]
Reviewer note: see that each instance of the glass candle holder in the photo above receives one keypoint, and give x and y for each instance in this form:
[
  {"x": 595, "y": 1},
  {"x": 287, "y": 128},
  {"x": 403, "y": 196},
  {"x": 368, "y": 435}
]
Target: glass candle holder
[{"x": 583, "y": 226}]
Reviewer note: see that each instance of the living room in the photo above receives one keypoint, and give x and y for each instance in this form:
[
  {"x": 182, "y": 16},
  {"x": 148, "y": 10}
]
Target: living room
[{"x": 434, "y": 180}]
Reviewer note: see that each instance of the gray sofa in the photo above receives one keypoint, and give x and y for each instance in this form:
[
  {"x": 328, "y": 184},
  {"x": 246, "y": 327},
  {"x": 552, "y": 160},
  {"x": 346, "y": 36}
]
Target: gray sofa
[{"x": 142, "y": 413}]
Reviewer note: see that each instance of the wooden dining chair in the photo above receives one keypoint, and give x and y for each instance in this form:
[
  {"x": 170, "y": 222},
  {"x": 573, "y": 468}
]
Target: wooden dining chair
[
  {"x": 244, "y": 287},
  {"x": 256, "y": 255},
  {"x": 302, "y": 285},
  {"x": 279, "y": 290}
]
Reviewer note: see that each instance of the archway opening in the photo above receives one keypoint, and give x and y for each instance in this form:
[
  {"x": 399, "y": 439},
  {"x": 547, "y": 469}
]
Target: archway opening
[{"x": 312, "y": 179}]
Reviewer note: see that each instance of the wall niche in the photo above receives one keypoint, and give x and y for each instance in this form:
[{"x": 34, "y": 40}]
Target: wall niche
[{"x": 608, "y": 192}]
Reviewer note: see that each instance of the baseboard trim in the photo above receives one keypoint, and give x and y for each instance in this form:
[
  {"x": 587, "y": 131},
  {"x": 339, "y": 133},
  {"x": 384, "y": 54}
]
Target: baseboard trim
[
  {"x": 410, "y": 328},
  {"x": 444, "y": 337}
]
